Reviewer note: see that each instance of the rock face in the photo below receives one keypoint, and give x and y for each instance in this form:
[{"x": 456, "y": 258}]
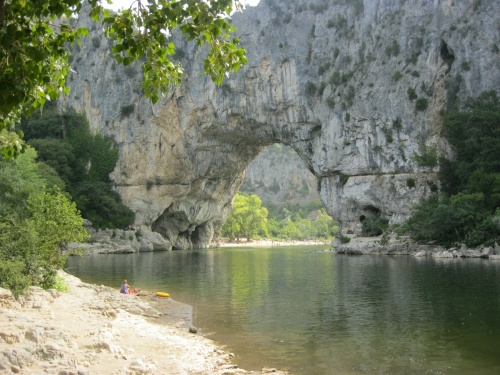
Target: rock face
[
  {"x": 405, "y": 246},
  {"x": 354, "y": 87}
]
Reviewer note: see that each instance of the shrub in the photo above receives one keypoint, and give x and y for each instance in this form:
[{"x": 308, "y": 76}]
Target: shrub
[
  {"x": 127, "y": 110},
  {"x": 350, "y": 96},
  {"x": 412, "y": 95},
  {"x": 462, "y": 218},
  {"x": 83, "y": 161},
  {"x": 397, "y": 76},
  {"x": 410, "y": 182},
  {"x": 138, "y": 234},
  {"x": 421, "y": 104},
  {"x": 427, "y": 156},
  {"x": 130, "y": 71},
  {"x": 413, "y": 58},
  {"x": 344, "y": 239},
  {"x": 374, "y": 226},
  {"x": 323, "y": 68},
  {"x": 310, "y": 88},
  {"x": 336, "y": 52},
  {"x": 335, "y": 78},
  {"x": 388, "y": 134},
  {"x": 61, "y": 285},
  {"x": 30, "y": 244},
  {"x": 393, "y": 49},
  {"x": 102, "y": 205},
  {"x": 397, "y": 123}
]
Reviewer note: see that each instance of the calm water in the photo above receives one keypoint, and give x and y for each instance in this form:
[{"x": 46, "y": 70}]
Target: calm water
[{"x": 320, "y": 313}]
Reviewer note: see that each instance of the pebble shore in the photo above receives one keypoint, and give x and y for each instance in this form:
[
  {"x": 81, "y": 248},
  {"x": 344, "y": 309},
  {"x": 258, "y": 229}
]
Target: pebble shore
[{"x": 95, "y": 330}]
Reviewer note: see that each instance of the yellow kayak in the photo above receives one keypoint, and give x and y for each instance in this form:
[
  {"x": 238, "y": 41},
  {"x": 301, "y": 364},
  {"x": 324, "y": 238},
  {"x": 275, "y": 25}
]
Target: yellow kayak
[{"x": 162, "y": 294}]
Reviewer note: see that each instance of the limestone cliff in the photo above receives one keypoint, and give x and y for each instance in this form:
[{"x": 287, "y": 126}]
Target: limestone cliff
[{"x": 354, "y": 87}]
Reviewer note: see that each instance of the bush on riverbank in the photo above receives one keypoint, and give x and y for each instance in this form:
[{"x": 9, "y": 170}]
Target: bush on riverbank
[
  {"x": 468, "y": 210},
  {"x": 34, "y": 222}
]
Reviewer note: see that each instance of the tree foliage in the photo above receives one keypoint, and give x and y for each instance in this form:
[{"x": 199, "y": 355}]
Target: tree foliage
[
  {"x": 292, "y": 222},
  {"x": 34, "y": 35},
  {"x": 467, "y": 212},
  {"x": 83, "y": 161},
  {"x": 248, "y": 217},
  {"x": 34, "y": 222}
]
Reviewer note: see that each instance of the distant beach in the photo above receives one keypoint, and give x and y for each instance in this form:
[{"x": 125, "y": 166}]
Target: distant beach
[{"x": 270, "y": 243}]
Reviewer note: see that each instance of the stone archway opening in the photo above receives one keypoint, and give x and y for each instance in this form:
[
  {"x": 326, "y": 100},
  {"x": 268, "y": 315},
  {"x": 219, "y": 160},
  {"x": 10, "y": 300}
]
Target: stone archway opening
[
  {"x": 290, "y": 192},
  {"x": 278, "y": 175}
]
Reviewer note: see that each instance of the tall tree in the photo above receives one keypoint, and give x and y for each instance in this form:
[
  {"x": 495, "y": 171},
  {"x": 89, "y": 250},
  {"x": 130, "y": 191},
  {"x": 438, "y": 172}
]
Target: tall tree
[
  {"x": 248, "y": 217},
  {"x": 34, "y": 58}
]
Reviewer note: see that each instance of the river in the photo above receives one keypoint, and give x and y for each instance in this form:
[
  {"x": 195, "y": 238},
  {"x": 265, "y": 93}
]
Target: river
[{"x": 314, "y": 312}]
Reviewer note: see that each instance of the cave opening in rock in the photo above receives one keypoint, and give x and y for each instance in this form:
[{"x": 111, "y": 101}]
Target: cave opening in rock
[
  {"x": 369, "y": 212},
  {"x": 447, "y": 54}
]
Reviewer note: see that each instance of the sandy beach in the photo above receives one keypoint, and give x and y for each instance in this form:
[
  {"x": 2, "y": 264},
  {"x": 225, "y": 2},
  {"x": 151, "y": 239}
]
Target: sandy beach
[
  {"x": 270, "y": 243},
  {"x": 96, "y": 330}
]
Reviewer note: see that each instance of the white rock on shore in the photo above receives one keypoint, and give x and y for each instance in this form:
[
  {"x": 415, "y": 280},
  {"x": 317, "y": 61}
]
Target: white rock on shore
[{"x": 95, "y": 330}]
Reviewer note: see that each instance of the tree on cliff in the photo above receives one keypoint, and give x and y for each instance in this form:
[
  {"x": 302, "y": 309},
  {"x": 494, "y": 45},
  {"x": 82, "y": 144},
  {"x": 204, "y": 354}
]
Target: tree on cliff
[{"x": 34, "y": 35}]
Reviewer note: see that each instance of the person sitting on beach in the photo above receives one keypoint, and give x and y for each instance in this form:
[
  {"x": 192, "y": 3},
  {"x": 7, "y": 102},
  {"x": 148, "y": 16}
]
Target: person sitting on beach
[{"x": 125, "y": 288}]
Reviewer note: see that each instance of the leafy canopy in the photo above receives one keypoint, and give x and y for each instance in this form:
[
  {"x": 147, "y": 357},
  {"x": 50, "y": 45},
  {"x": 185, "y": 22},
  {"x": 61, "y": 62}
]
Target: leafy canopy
[
  {"x": 251, "y": 219},
  {"x": 34, "y": 35},
  {"x": 469, "y": 210},
  {"x": 247, "y": 218},
  {"x": 83, "y": 162},
  {"x": 34, "y": 222}
]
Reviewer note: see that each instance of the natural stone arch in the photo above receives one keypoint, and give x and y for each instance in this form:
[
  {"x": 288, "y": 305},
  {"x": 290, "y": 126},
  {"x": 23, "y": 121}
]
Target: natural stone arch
[{"x": 355, "y": 127}]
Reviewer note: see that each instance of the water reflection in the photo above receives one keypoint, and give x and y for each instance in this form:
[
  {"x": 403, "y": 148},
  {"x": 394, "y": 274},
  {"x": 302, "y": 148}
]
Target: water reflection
[{"x": 321, "y": 313}]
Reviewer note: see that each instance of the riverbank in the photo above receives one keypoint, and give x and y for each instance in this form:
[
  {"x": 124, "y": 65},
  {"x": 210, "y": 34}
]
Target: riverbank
[
  {"x": 405, "y": 246},
  {"x": 95, "y": 330}
]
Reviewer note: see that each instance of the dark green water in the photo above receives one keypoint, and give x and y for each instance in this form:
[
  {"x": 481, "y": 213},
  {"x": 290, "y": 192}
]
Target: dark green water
[{"x": 320, "y": 313}]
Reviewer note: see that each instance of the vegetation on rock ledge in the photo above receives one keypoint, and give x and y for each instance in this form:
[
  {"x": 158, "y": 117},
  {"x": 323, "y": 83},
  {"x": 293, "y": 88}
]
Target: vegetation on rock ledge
[{"x": 468, "y": 210}]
